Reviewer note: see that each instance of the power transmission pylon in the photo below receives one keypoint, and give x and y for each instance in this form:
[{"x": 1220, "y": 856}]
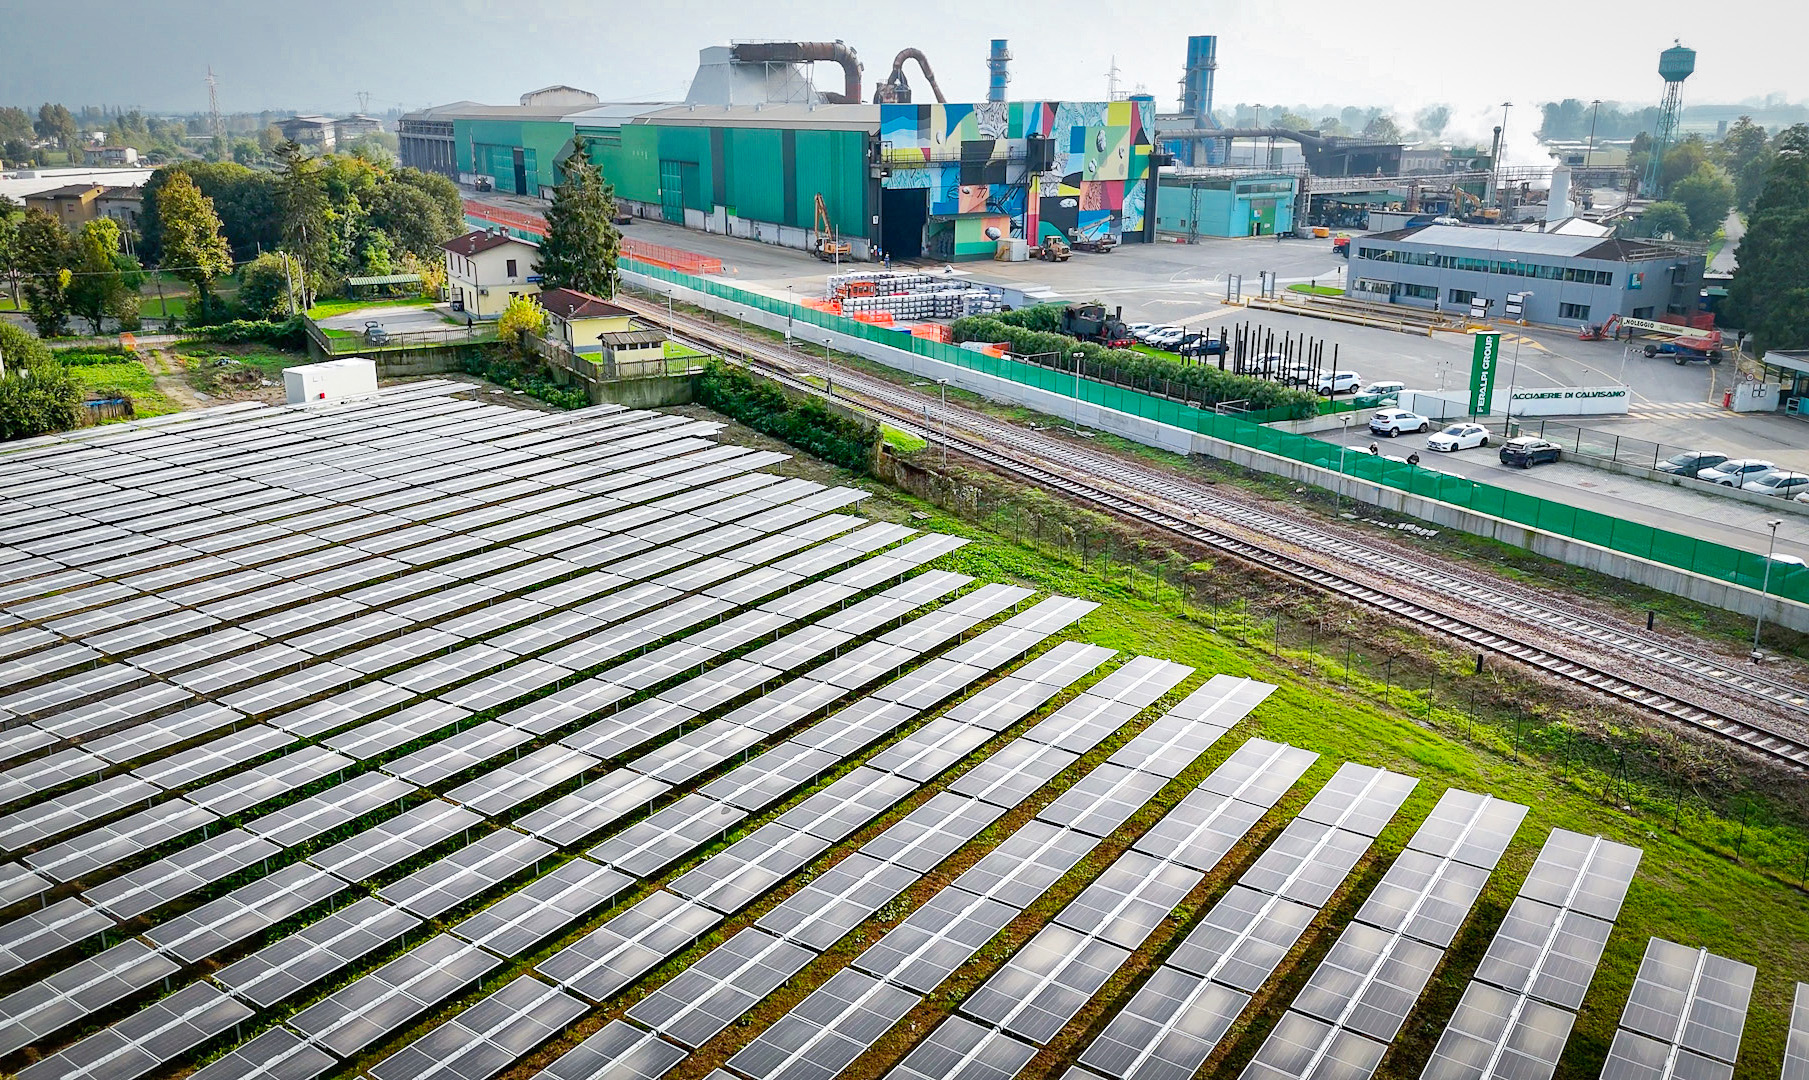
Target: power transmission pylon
[{"x": 217, "y": 128}]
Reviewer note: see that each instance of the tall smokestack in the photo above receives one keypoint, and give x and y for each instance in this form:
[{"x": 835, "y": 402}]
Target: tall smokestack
[
  {"x": 1557, "y": 202},
  {"x": 998, "y": 76},
  {"x": 1196, "y": 94}
]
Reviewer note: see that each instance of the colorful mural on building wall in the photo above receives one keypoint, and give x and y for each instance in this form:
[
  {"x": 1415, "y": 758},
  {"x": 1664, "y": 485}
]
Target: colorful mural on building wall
[{"x": 975, "y": 160}]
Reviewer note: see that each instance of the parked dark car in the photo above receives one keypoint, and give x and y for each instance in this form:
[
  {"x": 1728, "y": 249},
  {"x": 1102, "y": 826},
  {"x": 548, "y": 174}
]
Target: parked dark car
[
  {"x": 1690, "y": 462},
  {"x": 1527, "y": 451},
  {"x": 1201, "y": 345}
]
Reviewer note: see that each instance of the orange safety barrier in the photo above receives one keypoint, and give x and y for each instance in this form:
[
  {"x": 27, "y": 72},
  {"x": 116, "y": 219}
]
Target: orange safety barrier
[
  {"x": 877, "y": 318},
  {"x": 934, "y": 332},
  {"x": 670, "y": 258}
]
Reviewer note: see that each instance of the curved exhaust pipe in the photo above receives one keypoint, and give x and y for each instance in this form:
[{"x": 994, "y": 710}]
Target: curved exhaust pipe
[
  {"x": 804, "y": 52},
  {"x": 896, "y": 89}
]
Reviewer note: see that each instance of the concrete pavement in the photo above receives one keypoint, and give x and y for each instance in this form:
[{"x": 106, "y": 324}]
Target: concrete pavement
[{"x": 1734, "y": 229}]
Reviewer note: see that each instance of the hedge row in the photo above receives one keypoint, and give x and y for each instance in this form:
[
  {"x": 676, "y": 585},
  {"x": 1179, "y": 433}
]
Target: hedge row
[
  {"x": 287, "y": 334},
  {"x": 37, "y": 396},
  {"x": 529, "y": 381},
  {"x": 807, "y": 425},
  {"x": 1031, "y": 331}
]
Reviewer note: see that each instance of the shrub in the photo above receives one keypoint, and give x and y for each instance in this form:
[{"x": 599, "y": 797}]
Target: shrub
[
  {"x": 1207, "y": 384},
  {"x": 807, "y": 425},
  {"x": 287, "y": 334},
  {"x": 529, "y": 380},
  {"x": 36, "y": 395}
]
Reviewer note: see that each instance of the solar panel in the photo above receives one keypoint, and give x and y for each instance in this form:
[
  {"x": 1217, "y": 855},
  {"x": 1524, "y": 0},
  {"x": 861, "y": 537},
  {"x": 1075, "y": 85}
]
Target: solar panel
[
  {"x": 629, "y": 945},
  {"x": 1359, "y": 799},
  {"x": 1127, "y": 902},
  {"x": 847, "y": 803},
  {"x": 1690, "y": 998},
  {"x": 962, "y": 1050},
  {"x": 712, "y": 993},
  {"x": 319, "y": 814},
  {"x": 931, "y": 750},
  {"x": 618, "y": 1051},
  {"x": 1584, "y": 873},
  {"x": 1307, "y": 862},
  {"x": 1167, "y": 1030},
  {"x": 85, "y": 805},
  {"x": 1103, "y": 799},
  {"x": 528, "y": 916},
  {"x": 827, "y": 1031},
  {"x": 1041, "y": 987},
  {"x": 1495, "y": 1032},
  {"x": 1027, "y": 863},
  {"x": 738, "y": 874},
  {"x": 932, "y": 832},
  {"x": 277, "y": 1054},
  {"x": 936, "y": 939},
  {"x": 1470, "y": 828},
  {"x": 17, "y": 883},
  {"x": 355, "y": 1016},
  {"x": 646, "y": 847},
  {"x": 485, "y": 1038},
  {"x": 77, "y": 991},
  {"x": 256, "y": 786},
  {"x": 1301, "y": 1045},
  {"x": 1243, "y": 938},
  {"x": 181, "y": 873},
  {"x": 1014, "y": 773},
  {"x": 298, "y": 961},
  {"x": 1202, "y": 829},
  {"x": 570, "y": 819},
  {"x": 758, "y": 783},
  {"x": 468, "y": 872},
  {"x": 148, "y": 1038},
  {"x": 1369, "y": 981},
  {"x": 1796, "y": 1046},
  {"x": 246, "y": 911},
  {"x": 369, "y": 853}
]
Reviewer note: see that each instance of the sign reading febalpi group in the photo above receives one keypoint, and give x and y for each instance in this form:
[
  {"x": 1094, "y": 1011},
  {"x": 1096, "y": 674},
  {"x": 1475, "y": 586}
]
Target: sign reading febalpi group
[{"x": 1483, "y": 359}]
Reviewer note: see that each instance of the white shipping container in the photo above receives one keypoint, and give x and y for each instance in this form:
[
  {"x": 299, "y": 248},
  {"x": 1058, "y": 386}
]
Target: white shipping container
[{"x": 330, "y": 380}]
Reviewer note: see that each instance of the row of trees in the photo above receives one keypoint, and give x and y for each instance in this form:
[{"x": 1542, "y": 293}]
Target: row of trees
[
  {"x": 1769, "y": 296},
  {"x": 1700, "y": 181}
]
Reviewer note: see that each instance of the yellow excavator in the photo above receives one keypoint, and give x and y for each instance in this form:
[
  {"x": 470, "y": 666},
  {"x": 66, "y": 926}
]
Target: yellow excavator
[{"x": 826, "y": 246}]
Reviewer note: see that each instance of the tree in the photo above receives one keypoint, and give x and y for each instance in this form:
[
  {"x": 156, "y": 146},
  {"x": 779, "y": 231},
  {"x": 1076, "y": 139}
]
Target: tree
[
  {"x": 1707, "y": 194},
  {"x": 244, "y": 198},
  {"x": 1433, "y": 119},
  {"x": 1682, "y": 161},
  {"x": 523, "y": 317},
  {"x": 15, "y": 126},
  {"x": 97, "y": 289},
  {"x": 301, "y": 201},
  {"x": 56, "y": 124},
  {"x": 10, "y": 213},
  {"x": 193, "y": 247},
  {"x": 45, "y": 254},
  {"x": 37, "y": 396},
  {"x": 245, "y": 152},
  {"x": 579, "y": 250},
  {"x": 1769, "y": 295},
  {"x": 1382, "y": 128},
  {"x": 266, "y": 286},
  {"x": 1663, "y": 220}
]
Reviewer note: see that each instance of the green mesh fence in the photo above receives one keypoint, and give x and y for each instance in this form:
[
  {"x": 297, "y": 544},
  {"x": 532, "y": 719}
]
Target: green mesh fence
[{"x": 1703, "y": 557}]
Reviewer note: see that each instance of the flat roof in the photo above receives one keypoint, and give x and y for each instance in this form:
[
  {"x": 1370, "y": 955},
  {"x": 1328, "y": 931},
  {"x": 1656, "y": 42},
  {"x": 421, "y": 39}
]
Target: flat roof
[
  {"x": 15, "y": 186},
  {"x": 830, "y": 117},
  {"x": 1788, "y": 359},
  {"x": 1517, "y": 242}
]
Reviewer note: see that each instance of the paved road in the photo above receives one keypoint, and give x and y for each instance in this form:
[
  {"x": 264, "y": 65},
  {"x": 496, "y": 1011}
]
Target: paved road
[
  {"x": 397, "y": 320},
  {"x": 1733, "y": 522},
  {"x": 1735, "y": 229}
]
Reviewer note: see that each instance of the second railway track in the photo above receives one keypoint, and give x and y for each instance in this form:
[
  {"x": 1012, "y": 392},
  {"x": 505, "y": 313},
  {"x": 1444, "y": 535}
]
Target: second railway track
[{"x": 1081, "y": 474}]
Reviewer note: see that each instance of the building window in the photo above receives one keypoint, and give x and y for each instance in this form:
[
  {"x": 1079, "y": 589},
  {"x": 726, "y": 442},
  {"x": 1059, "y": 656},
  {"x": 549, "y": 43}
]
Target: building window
[
  {"x": 1574, "y": 311},
  {"x": 1420, "y": 292},
  {"x": 510, "y": 268},
  {"x": 1462, "y": 296},
  {"x": 1642, "y": 313}
]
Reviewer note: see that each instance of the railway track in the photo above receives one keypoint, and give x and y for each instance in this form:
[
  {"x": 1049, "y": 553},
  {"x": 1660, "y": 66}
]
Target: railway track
[{"x": 1147, "y": 496}]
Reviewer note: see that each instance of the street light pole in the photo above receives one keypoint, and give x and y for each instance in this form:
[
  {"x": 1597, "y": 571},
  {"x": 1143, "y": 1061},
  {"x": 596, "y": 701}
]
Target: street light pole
[
  {"x": 1764, "y": 587},
  {"x": 790, "y": 307},
  {"x": 1344, "y": 445},
  {"x": 943, "y": 384},
  {"x": 1077, "y": 356},
  {"x": 1514, "y": 372},
  {"x": 828, "y": 375}
]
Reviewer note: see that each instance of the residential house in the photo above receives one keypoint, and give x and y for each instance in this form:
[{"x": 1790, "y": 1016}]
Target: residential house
[
  {"x": 484, "y": 269},
  {"x": 578, "y": 320},
  {"x": 72, "y": 204},
  {"x": 110, "y": 155}
]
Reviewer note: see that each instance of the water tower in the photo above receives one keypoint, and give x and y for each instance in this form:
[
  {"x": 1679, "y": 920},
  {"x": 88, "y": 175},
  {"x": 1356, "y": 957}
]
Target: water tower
[{"x": 1675, "y": 64}]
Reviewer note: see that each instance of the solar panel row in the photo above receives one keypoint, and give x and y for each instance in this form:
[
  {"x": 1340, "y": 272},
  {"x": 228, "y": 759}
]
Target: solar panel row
[
  {"x": 1684, "y": 1017},
  {"x": 1516, "y": 1015},
  {"x": 1174, "y": 1021},
  {"x": 1354, "y": 1004}
]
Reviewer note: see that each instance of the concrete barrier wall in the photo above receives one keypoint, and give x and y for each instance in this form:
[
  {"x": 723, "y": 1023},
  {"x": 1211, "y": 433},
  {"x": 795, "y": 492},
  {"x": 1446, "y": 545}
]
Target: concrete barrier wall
[{"x": 1704, "y": 590}]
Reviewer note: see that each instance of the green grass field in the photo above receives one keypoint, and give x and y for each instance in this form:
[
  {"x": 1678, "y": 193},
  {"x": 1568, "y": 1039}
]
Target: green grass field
[
  {"x": 325, "y": 309},
  {"x": 1315, "y": 290},
  {"x": 128, "y": 377}
]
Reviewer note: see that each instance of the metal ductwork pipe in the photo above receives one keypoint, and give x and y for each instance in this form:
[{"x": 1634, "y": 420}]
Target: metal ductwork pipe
[
  {"x": 896, "y": 89},
  {"x": 805, "y": 52}
]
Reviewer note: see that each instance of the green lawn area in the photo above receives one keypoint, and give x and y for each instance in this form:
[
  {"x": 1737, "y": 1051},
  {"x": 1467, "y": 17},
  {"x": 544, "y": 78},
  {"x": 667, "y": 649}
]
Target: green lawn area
[
  {"x": 325, "y": 309},
  {"x": 902, "y": 441},
  {"x": 1315, "y": 290},
  {"x": 128, "y": 377}
]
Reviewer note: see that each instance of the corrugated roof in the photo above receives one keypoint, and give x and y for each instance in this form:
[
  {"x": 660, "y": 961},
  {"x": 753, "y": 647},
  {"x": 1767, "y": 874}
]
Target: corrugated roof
[
  {"x": 616, "y": 113},
  {"x": 619, "y": 338},
  {"x": 830, "y": 117},
  {"x": 1514, "y": 242}
]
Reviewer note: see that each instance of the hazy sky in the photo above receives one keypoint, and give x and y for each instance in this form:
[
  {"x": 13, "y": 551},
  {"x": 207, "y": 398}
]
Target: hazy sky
[{"x": 317, "y": 54}]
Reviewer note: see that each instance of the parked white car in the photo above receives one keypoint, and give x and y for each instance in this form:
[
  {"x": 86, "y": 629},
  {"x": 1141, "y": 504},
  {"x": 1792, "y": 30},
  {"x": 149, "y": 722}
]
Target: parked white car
[
  {"x": 1458, "y": 437},
  {"x": 1392, "y": 422},
  {"x": 1736, "y": 471},
  {"x": 1781, "y": 484},
  {"x": 1165, "y": 337},
  {"x": 1138, "y": 329},
  {"x": 1386, "y": 388},
  {"x": 1339, "y": 382}
]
